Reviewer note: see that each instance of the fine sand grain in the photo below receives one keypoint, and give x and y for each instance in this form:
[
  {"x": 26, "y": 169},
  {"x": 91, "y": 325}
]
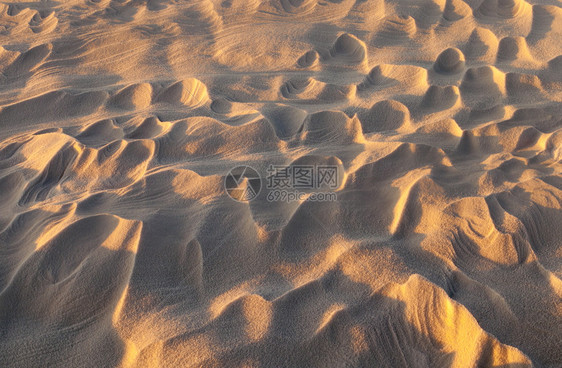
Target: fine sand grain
[{"x": 438, "y": 245}]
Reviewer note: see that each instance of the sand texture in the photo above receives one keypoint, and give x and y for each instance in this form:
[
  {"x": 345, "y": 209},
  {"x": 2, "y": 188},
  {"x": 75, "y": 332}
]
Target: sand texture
[{"x": 121, "y": 119}]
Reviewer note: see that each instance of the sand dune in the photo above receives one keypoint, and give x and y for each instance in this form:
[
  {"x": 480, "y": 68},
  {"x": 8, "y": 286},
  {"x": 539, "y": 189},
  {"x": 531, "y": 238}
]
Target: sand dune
[{"x": 139, "y": 225}]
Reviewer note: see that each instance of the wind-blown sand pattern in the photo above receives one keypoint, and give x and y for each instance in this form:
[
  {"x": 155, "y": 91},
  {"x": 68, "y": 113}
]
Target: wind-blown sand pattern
[{"x": 120, "y": 119}]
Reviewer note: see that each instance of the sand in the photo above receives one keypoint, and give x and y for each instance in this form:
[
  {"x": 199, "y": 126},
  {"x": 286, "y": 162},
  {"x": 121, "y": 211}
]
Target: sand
[{"x": 439, "y": 244}]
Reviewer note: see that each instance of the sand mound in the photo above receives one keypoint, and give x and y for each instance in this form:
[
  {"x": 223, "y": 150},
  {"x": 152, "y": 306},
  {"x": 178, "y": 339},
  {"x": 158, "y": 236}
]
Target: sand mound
[
  {"x": 468, "y": 144},
  {"x": 296, "y": 87},
  {"x": 74, "y": 168},
  {"x": 233, "y": 111},
  {"x": 522, "y": 84},
  {"x": 398, "y": 28},
  {"x": 239, "y": 8},
  {"x": 309, "y": 59},
  {"x": 455, "y": 10},
  {"x": 385, "y": 115},
  {"x": 427, "y": 13},
  {"x": 29, "y": 60},
  {"x": 545, "y": 18},
  {"x": 528, "y": 139},
  {"x": 136, "y": 96},
  {"x": 61, "y": 268},
  {"x": 378, "y": 76},
  {"x": 322, "y": 161},
  {"x": 310, "y": 90},
  {"x": 511, "y": 48},
  {"x": 331, "y": 126},
  {"x": 482, "y": 45},
  {"x": 482, "y": 87},
  {"x": 7, "y": 57},
  {"x": 43, "y": 22},
  {"x": 349, "y": 49},
  {"x": 450, "y": 61},
  {"x": 556, "y": 63},
  {"x": 440, "y": 98},
  {"x": 364, "y": 12},
  {"x": 149, "y": 128},
  {"x": 503, "y": 8},
  {"x": 297, "y": 6},
  {"x": 553, "y": 73},
  {"x": 442, "y": 130},
  {"x": 197, "y": 137},
  {"x": 189, "y": 92},
  {"x": 99, "y": 133},
  {"x": 385, "y": 76},
  {"x": 437, "y": 329},
  {"x": 286, "y": 120},
  {"x": 539, "y": 117},
  {"x": 477, "y": 79},
  {"x": 221, "y": 106}
]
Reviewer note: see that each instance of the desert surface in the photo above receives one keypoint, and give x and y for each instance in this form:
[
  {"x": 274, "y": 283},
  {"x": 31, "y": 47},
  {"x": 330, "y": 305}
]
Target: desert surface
[{"x": 281, "y": 183}]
